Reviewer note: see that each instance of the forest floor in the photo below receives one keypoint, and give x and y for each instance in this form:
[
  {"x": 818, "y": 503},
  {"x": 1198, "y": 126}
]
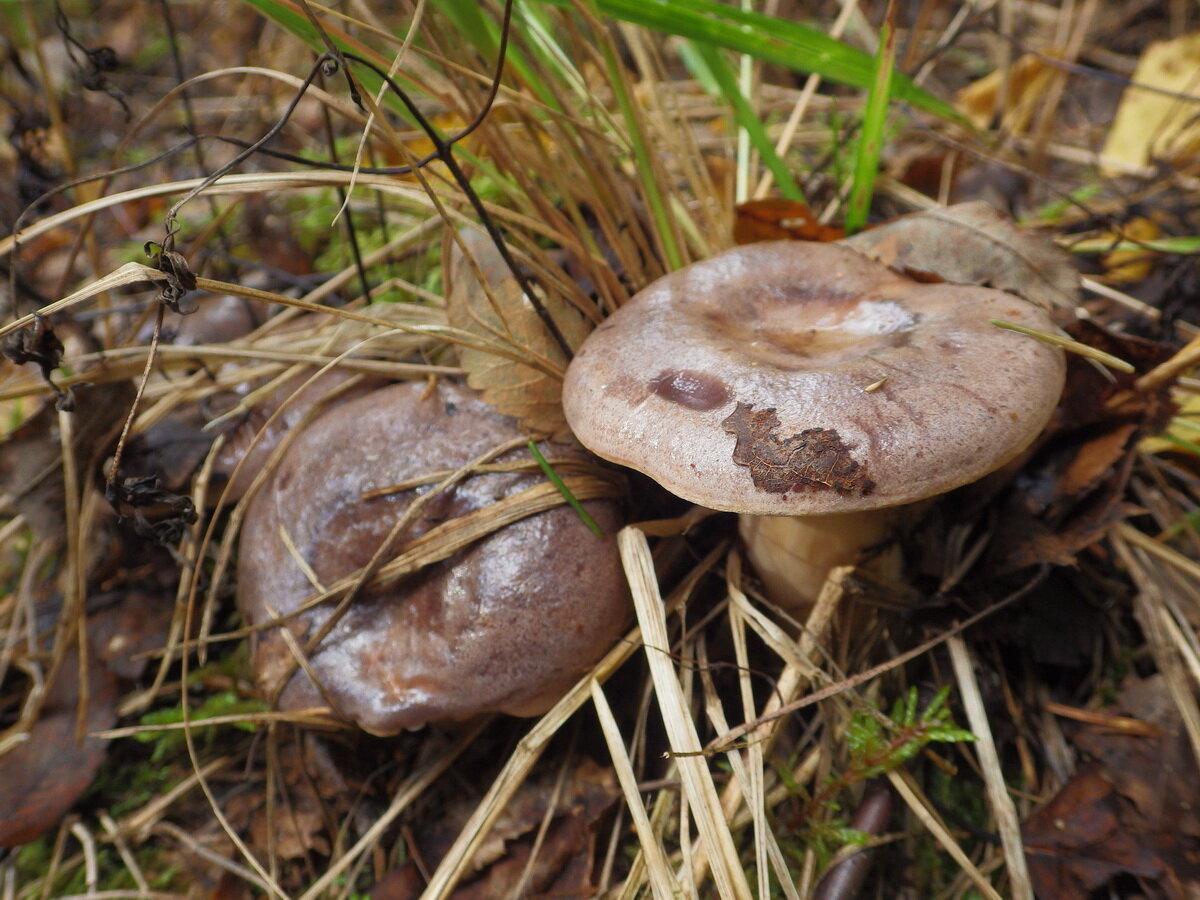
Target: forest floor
[{"x": 207, "y": 236}]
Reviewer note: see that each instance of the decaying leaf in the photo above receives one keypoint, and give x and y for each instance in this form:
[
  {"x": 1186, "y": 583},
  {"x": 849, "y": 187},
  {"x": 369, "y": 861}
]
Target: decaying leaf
[
  {"x": 297, "y": 822},
  {"x": 973, "y": 243},
  {"x": 1070, "y": 490},
  {"x": 30, "y": 458},
  {"x": 1023, "y": 85},
  {"x": 1130, "y": 810},
  {"x": 815, "y": 458},
  {"x": 502, "y": 313},
  {"x": 563, "y": 864},
  {"x": 777, "y": 219},
  {"x": 1158, "y": 125},
  {"x": 44, "y": 775}
]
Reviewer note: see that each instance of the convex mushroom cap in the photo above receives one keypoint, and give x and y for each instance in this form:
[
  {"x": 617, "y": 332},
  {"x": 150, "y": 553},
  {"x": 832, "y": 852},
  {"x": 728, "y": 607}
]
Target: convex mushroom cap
[
  {"x": 793, "y": 378},
  {"x": 506, "y": 625}
]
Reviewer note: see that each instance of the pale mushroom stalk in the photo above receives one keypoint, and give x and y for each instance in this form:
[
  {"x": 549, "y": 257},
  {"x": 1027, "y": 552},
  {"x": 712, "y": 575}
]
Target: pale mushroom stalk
[
  {"x": 791, "y": 379},
  {"x": 793, "y": 555}
]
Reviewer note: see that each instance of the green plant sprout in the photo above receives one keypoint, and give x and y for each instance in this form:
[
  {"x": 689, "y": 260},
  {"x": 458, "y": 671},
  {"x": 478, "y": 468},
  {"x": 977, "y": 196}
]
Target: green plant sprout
[{"x": 877, "y": 745}]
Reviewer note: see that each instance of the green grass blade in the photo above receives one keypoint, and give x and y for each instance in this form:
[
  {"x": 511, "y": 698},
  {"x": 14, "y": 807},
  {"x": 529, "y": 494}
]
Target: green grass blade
[
  {"x": 565, "y": 491},
  {"x": 769, "y": 39},
  {"x": 874, "y": 121},
  {"x": 647, "y": 176},
  {"x": 723, "y": 76},
  {"x": 1183, "y": 245}
]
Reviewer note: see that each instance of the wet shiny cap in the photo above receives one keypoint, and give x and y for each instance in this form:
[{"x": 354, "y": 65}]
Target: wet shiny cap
[
  {"x": 507, "y": 624},
  {"x": 795, "y": 378}
]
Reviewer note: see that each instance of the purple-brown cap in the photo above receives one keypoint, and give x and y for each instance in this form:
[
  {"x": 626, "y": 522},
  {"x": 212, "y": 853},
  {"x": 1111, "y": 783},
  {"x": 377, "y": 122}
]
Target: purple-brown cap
[
  {"x": 793, "y": 378},
  {"x": 506, "y": 625}
]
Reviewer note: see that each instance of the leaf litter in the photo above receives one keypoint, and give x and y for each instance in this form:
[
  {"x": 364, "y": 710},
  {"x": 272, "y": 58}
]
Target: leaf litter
[{"x": 588, "y": 233}]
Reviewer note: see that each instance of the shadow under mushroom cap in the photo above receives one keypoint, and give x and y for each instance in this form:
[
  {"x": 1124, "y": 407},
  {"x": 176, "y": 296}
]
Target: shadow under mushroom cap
[
  {"x": 504, "y": 626},
  {"x": 793, "y": 378}
]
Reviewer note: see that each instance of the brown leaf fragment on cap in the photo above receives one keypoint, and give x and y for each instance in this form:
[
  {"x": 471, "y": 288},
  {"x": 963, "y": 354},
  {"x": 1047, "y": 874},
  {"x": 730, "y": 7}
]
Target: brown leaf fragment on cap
[{"x": 814, "y": 457}]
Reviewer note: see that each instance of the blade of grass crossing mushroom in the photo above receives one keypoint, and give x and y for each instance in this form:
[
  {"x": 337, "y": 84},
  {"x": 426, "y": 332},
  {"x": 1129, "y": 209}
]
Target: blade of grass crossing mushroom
[
  {"x": 662, "y": 880},
  {"x": 565, "y": 491},
  {"x": 875, "y": 114},
  {"x": 698, "y": 785},
  {"x": 1056, "y": 340},
  {"x": 719, "y": 69},
  {"x": 1003, "y": 809},
  {"x": 753, "y": 788}
]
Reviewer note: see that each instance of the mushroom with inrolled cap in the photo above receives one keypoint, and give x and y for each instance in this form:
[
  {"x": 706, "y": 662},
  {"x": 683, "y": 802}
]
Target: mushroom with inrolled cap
[
  {"x": 505, "y": 625},
  {"x": 808, "y": 387}
]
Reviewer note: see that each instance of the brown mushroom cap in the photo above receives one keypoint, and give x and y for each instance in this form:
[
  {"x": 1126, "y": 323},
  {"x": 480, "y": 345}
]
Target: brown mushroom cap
[
  {"x": 792, "y": 378},
  {"x": 504, "y": 626}
]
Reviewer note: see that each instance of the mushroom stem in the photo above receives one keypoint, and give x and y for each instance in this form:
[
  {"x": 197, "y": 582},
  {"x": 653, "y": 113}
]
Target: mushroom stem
[{"x": 793, "y": 554}]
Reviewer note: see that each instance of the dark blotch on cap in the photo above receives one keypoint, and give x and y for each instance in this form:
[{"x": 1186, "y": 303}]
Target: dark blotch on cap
[{"x": 694, "y": 390}]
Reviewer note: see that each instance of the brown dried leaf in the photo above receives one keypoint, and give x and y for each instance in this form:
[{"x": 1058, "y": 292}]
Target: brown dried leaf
[
  {"x": 297, "y": 823},
  {"x": 42, "y": 777},
  {"x": 1071, "y": 488},
  {"x": 816, "y": 457},
  {"x": 563, "y": 865},
  {"x": 1076, "y": 843},
  {"x": 777, "y": 219},
  {"x": 30, "y": 458},
  {"x": 1130, "y": 811},
  {"x": 972, "y": 243},
  {"x": 526, "y": 392}
]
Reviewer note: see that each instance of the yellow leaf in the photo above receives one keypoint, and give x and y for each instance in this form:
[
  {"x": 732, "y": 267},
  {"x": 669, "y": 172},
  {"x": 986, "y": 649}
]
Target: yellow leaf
[
  {"x": 1152, "y": 126},
  {"x": 1028, "y": 79},
  {"x": 1128, "y": 266}
]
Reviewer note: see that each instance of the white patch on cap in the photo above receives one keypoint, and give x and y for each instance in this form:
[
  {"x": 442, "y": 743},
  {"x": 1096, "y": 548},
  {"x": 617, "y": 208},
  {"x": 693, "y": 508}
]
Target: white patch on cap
[
  {"x": 872, "y": 317},
  {"x": 716, "y": 273}
]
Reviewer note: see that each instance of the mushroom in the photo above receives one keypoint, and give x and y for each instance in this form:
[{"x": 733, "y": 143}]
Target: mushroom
[
  {"x": 506, "y": 625},
  {"x": 810, "y": 388}
]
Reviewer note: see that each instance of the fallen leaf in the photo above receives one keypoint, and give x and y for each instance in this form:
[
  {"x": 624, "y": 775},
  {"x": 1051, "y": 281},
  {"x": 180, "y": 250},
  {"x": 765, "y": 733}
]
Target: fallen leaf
[
  {"x": 1153, "y": 123},
  {"x": 1070, "y": 489},
  {"x": 562, "y": 868},
  {"x": 1156, "y": 773},
  {"x": 1023, "y": 84},
  {"x": 43, "y": 776},
  {"x": 297, "y": 823},
  {"x": 1131, "y": 810},
  {"x": 814, "y": 458},
  {"x": 31, "y": 457},
  {"x": 1075, "y": 843},
  {"x": 529, "y": 393},
  {"x": 777, "y": 219},
  {"x": 973, "y": 243},
  {"x": 1128, "y": 266}
]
